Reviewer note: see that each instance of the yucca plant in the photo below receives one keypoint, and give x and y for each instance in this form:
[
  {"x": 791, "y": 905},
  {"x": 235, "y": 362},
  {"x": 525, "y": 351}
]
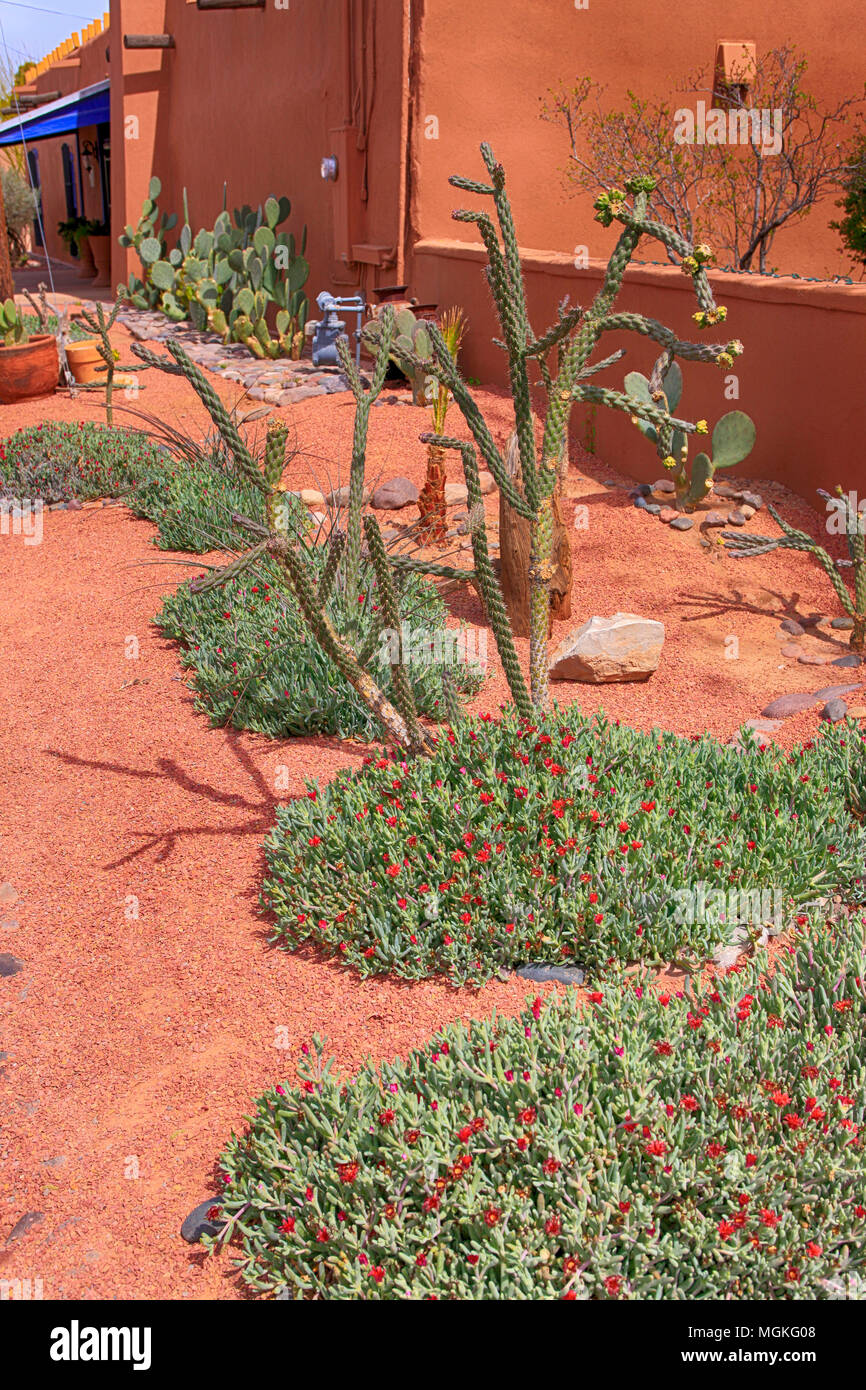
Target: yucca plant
[{"x": 431, "y": 500}]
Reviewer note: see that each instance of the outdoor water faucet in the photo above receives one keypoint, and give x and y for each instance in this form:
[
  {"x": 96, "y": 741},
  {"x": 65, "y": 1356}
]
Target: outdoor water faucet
[{"x": 331, "y": 326}]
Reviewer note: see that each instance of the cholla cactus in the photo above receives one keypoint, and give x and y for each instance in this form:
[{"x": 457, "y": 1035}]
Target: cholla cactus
[
  {"x": 101, "y": 326},
  {"x": 854, "y": 606},
  {"x": 575, "y": 337}
]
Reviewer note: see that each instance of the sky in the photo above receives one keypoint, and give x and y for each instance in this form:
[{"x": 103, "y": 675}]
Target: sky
[{"x": 32, "y": 30}]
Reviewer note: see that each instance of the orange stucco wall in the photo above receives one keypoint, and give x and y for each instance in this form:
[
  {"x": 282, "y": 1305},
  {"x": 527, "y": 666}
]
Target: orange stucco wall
[
  {"x": 255, "y": 98},
  {"x": 483, "y": 68}
]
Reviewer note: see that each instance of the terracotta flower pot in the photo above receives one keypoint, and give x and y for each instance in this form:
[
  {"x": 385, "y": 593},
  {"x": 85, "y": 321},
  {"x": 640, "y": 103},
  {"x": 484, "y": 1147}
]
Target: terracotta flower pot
[
  {"x": 86, "y": 263},
  {"x": 29, "y": 369},
  {"x": 84, "y": 360},
  {"x": 100, "y": 247}
]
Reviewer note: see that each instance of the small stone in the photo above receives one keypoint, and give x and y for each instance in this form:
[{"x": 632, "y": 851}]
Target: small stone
[
  {"x": 640, "y": 502},
  {"x": 752, "y": 499},
  {"x": 834, "y": 710},
  {"x": 397, "y": 493},
  {"x": 764, "y": 726},
  {"x": 857, "y": 712},
  {"x": 665, "y": 486},
  {"x": 455, "y": 494},
  {"x": 714, "y": 519},
  {"x": 653, "y": 508},
  {"x": 852, "y": 659},
  {"x": 197, "y": 1224},
  {"x": 791, "y": 649},
  {"x": 745, "y": 510},
  {"x": 736, "y": 517},
  {"x": 625, "y": 647},
  {"x": 642, "y": 490},
  {"x": 311, "y": 497},
  {"x": 8, "y": 894},
  {"x": 786, "y": 705},
  {"x": 792, "y": 626},
  {"x": 682, "y": 523},
  {"x": 10, "y": 965},
  {"x": 542, "y": 974},
  {"x": 668, "y": 514},
  {"x": 59, "y": 1161},
  {"x": 73, "y": 505},
  {"x": 608, "y": 482},
  {"x": 293, "y": 395},
  {"x": 842, "y": 624},
  {"x": 25, "y": 1224},
  {"x": 725, "y": 490},
  {"x": 828, "y": 691},
  {"x": 339, "y": 497},
  {"x": 487, "y": 482}
]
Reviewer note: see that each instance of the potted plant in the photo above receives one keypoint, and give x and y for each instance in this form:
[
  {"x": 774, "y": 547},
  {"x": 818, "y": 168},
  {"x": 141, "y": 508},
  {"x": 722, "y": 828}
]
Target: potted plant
[
  {"x": 29, "y": 364},
  {"x": 76, "y": 231}
]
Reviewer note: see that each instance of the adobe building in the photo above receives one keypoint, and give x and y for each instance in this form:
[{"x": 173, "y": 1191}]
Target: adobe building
[{"x": 359, "y": 110}]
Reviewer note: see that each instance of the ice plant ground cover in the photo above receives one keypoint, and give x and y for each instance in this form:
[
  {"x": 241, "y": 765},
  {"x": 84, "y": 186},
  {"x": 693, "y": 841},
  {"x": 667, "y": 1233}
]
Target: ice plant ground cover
[
  {"x": 256, "y": 666},
  {"x": 59, "y": 461},
  {"x": 641, "y": 1145},
  {"x": 571, "y": 841}
]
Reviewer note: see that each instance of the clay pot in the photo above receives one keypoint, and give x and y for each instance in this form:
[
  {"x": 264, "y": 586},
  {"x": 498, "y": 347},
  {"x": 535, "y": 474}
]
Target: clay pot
[
  {"x": 100, "y": 247},
  {"x": 86, "y": 263},
  {"x": 84, "y": 360},
  {"x": 29, "y": 369}
]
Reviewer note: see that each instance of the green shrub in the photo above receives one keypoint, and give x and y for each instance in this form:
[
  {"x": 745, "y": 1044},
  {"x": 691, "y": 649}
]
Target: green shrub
[
  {"x": 257, "y": 667},
  {"x": 642, "y": 1146},
  {"x": 58, "y": 461},
  {"x": 570, "y": 841}
]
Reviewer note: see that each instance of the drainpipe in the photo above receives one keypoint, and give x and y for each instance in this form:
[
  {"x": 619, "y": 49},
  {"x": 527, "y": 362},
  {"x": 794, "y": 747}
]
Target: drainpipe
[{"x": 403, "y": 196}]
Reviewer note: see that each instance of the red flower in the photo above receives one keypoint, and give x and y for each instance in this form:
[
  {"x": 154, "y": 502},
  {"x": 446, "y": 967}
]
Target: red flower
[
  {"x": 613, "y": 1284},
  {"x": 492, "y": 1216}
]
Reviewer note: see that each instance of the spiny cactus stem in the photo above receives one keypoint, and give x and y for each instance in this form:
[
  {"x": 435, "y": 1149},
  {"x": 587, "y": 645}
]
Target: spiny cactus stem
[
  {"x": 403, "y": 694},
  {"x": 218, "y": 413},
  {"x": 319, "y": 623}
]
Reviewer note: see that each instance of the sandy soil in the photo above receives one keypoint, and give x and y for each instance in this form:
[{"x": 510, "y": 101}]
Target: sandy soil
[{"x": 145, "y": 1019}]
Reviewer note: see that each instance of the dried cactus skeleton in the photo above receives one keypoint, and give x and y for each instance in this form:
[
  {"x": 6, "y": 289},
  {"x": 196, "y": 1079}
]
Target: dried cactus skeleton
[{"x": 854, "y": 527}]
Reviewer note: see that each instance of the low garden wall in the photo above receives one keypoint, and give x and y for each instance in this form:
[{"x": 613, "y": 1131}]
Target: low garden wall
[{"x": 802, "y": 377}]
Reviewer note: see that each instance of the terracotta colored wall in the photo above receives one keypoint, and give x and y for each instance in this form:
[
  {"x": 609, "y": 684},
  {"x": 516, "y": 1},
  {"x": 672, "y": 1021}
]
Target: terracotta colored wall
[
  {"x": 87, "y": 67},
  {"x": 483, "y": 68},
  {"x": 253, "y": 98},
  {"x": 801, "y": 377}
]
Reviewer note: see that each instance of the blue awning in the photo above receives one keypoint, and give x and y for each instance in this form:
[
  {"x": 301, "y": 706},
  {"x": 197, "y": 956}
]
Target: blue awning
[{"x": 90, "y": 106}]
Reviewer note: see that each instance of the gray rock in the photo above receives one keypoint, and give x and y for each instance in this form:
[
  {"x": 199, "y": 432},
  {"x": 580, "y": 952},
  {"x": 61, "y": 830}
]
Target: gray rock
[
  {"x": 764, "y": 726},
  {"x": 642, "y": 490},
  {"x": 25, "y": 1224},
  {"x": 814, "y": 658},
  {"x": 834, "y": 710},
  {"x": 851, "y": 660},
  {"x": 829, "y": 691},
  {"x": 197, "y": 1224},
  {"x": 625, "y": 647},
  {"x": 791, "y": 625},
  {"x": 640, "y": 502},
  {"x": 843, "y": 624},
  {"x": 543, "y": 974},
  {"x": 725, "y": 490},
  {"x": 396, "y": 493},
  {"x": 664, "y": 485},
  {"x": 682, "y": 523},
  {"x": 786, "y": 705},
  {"x": 8, "y": 893},
  {"x": 714, "y": 519},
  {"x": 10, "y": 965},
  {"x": 736, "y": 518},
  {"x": 73, "y": 505},
  {"x": 752, "y": 499},
  {"x": 653, "y": 508}
]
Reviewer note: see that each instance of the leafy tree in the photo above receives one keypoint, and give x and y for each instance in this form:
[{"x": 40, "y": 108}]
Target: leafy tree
[{"x": 852, "y": 227}]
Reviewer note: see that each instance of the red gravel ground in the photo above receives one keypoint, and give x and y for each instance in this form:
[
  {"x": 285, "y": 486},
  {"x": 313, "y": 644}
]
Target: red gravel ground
[{"x": 134, "y": 1044}]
